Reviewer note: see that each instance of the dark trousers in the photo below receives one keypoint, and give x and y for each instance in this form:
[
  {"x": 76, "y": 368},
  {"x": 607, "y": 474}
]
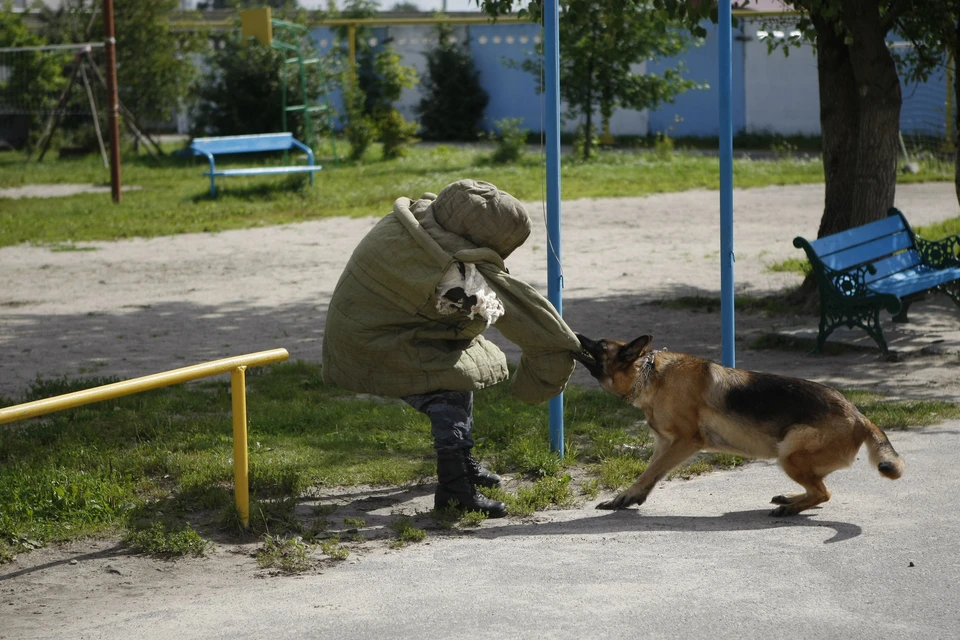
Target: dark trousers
[{"x": 451, "y": 417}]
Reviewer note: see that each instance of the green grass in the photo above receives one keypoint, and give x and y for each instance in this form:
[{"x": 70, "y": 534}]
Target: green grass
[
  {"x": 158, "y": 465},
  {"x": 405, "y": 531},
  {"x": 800, "y": 266},
  {"x": 935, "y": 231},
  {"x": 778, "y": 303},
  {"x": 291, "y": 555},
  {"x": 174, "y": 197}
]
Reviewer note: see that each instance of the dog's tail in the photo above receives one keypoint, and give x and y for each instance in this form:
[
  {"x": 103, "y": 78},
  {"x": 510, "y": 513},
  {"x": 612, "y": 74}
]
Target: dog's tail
[{"x": 882, "y": 454}]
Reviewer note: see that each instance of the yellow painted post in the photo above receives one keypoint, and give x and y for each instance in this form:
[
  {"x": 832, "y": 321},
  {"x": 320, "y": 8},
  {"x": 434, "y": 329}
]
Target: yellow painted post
[
  {"x": 137, "y": 385},
  {"x": 241, "y": 476},
  {"x": 255, "y": 23},
  {"x": 235, "y": 365},
  {"x": 352, "y": 37}
]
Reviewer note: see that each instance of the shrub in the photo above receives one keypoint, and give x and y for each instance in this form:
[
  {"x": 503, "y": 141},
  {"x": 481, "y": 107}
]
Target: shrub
[
  {"x": 510, "y": 140},
  {"x": 393, "y": 78},
  {"x": 241, "y": 92},
  {"x": 453, "y": 100},
  {"x": 360, "y": 130}
]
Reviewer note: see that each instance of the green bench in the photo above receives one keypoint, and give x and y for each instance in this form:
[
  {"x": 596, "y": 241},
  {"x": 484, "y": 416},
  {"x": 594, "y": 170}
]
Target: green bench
[
  {"x": 258, "y": 143},
  {"x": 880, "y": 265}
]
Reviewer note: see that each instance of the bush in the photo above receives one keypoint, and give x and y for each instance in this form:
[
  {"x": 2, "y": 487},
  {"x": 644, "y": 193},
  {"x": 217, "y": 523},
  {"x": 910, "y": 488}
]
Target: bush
[
  {"x": 510, "y": 142},
  {"x": 453, "y": 100},
  {"x": 580, "y": 149},
  {"x": 395, "y": 133},
  {"x": 360, "y": 130},
  {"x": 393, "y": 78},
  {"x": 241, "y": 92}
]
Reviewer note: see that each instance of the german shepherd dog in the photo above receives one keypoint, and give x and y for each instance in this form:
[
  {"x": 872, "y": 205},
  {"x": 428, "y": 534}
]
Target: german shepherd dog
[{"x": 693, "y": 405}]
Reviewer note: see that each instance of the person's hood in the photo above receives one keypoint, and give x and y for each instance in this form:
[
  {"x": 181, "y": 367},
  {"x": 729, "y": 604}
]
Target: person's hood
[{"x": 482, "y": 214}]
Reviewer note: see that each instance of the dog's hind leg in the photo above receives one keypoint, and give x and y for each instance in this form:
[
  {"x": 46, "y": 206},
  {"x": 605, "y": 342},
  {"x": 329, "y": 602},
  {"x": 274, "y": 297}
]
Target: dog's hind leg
[
  {"x": 666, "y": 458},
  {"x": 799, "y": 466}
]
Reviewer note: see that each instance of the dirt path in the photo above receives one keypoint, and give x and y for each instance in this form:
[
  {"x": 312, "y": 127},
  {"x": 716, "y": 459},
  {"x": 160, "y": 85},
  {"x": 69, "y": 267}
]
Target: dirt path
[
  {"x": 136, "y": 307},
  {"x": 141, "y": 306}
]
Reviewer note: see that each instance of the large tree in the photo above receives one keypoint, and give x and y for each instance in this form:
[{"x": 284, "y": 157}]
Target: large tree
[
  {"x": 600, "y": 43},
  {"x": 860, "y": 100},
  {"x": 154, "y": 70},
  {"x": 860, "y": 95}
]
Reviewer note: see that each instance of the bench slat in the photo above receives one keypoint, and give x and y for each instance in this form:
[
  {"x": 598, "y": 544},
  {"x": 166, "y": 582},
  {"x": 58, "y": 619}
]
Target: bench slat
[
  {"x": 253, "y": 171},
  {"x": 858, "y": 235},
  {"x": 868, "y": 252},
  {"x": 909, "y": 259},
  {"x": 244, "y": 144},
  {"x": 915, "y": 280}
]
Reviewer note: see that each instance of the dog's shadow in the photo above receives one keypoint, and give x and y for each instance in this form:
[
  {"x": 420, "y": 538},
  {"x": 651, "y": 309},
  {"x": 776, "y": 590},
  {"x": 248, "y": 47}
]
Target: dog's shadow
[{"x": 628, "y": 520}]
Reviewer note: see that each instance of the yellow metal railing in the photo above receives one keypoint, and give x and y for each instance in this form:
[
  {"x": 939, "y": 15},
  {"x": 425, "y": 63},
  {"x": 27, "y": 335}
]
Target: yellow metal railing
[{"x": 236, "y": 366}]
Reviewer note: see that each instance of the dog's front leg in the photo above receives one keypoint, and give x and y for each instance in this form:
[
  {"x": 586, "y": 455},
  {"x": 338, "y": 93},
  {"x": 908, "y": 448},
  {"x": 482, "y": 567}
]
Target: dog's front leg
[{"x": 665, "y": 459}]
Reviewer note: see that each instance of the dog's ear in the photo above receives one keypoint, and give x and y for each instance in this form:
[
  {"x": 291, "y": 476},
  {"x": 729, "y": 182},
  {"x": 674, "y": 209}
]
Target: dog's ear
[{"x": 632, "y": 351}]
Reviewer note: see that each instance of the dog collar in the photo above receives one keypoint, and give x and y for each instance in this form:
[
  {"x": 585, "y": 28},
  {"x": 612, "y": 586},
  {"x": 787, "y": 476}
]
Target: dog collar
[{"x": 646, "y": 366}]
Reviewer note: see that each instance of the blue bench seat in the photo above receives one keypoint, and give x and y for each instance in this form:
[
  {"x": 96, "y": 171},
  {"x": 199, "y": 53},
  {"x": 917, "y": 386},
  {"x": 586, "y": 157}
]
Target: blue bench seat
[
  {"x": 876, "y": 266},
  {"x": 258, "y": 143}
]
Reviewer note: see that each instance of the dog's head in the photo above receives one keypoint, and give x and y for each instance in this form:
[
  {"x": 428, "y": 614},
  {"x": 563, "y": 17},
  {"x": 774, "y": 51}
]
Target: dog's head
[{"x": 612, "y": 362}]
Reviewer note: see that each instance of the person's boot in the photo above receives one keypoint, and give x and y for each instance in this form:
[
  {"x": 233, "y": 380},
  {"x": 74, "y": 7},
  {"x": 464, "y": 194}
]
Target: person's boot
[
  {"x": 454, "y": 486},
  {"x": 478, "y": 475}
]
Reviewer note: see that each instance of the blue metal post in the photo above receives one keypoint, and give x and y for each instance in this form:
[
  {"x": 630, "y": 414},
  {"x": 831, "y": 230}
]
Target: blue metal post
[
  {"x": 551, "y": 62},
  {"x": 725, "y": 26}
]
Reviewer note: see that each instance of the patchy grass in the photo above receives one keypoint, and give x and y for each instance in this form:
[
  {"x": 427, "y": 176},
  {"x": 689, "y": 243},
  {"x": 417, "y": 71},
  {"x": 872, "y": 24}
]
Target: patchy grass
[
  {"x": 332, "y": 548},
  {"x": 800, "y": 266},
  {"x": 290, "y": 555},
  {"x": 174, "y": 196},
  {"x": 901, "y": 414},
  {"x": 778, "y": 303},
  {"x": 158, "y": 465},
  {"x": 406, "y": 532},
  {"x": 780, "y": 342},
  {"x": 936, "y": 231},
  {"x": 168, "y": 540}
]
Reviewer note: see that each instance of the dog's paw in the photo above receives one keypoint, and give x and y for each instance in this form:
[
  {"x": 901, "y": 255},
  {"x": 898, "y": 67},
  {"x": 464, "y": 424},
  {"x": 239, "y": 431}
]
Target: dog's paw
[
  {"x": 780, "y": 500},
  {"x": 782, "y": 511},
  {"x": 622, "y": 501}
]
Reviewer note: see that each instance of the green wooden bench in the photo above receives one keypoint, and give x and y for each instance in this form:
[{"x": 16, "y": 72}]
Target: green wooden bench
[
  {"x": 880, "y": 265},
  {"x": 258, "y": 143}
]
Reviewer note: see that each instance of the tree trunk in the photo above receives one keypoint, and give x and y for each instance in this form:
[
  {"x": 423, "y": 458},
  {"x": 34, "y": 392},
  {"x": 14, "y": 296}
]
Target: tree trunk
[
  {"x": 839, "y": 127},
  {"x": 880, "y": 99},
  {"x": 588, "y": 126},
  {"x": 956, "y": 109}
]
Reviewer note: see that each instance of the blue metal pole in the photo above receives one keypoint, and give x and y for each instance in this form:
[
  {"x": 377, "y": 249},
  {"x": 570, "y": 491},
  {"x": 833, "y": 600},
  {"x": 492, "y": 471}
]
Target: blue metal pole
[
  {"x": 729, "y": 357},
  {"x": 551, "y": 63}
]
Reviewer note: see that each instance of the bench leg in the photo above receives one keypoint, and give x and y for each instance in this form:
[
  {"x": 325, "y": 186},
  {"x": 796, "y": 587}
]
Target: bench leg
[
  {"x": 902, "y": 315},
  {"x": 952, "y": 289},
  {"x": 833, "y": 316}
]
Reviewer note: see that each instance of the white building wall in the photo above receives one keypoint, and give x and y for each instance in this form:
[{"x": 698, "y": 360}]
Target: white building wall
[{"x": 781, "y": 93}]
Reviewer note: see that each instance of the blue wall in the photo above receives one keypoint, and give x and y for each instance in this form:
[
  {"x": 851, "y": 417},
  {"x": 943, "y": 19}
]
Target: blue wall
[
  {"x": 513, "y": 92},
  {"x": 924, "y": 109},
  {"x": 696, "y": 112}
]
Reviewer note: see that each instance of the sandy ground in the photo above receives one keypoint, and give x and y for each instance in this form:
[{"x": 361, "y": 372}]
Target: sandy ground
[{"x": 137, "y": 307}]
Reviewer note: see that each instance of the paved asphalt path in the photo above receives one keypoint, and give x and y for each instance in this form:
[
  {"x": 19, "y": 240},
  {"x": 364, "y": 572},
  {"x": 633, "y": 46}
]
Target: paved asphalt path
[{"x": 702, "y": 559}]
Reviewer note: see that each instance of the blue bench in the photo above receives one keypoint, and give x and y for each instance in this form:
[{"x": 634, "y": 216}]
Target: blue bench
[
  {"x": 211, "y": 147},
  {"x": 880, "y": 265}
]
